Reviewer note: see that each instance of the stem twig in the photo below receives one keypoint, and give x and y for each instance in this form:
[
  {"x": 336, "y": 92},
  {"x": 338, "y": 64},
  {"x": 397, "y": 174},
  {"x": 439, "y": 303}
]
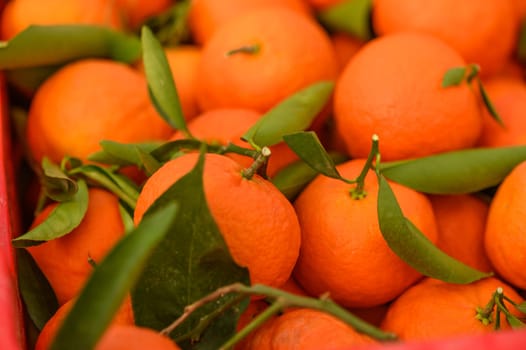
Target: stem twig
[
  {"x": 247, "y": 49},
  {"x": 358, "y": 192},
  {"x": 188, "y": 310},
  {"x": 281, "y": 300},
  {"x": 259, "y": 162}
]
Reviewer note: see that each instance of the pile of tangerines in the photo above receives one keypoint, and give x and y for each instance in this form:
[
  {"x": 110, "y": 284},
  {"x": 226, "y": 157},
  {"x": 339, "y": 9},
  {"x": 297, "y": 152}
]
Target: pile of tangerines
[{"x": 241, "y": 59}]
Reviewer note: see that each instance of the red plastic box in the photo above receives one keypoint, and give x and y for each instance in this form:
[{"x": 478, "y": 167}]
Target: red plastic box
[{"x": 11, "y": 316}]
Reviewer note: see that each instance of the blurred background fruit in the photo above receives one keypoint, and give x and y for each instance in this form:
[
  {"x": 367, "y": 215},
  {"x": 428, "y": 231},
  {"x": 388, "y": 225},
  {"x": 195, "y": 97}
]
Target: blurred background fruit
[
  {"x": 71, "y": 112},
  {"x": 19, "y": 14},
  {"x": 402, "y": 101}
]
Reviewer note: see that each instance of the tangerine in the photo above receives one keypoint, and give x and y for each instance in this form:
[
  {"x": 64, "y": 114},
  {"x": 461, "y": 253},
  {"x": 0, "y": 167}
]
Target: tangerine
[
  {"x": 206, "y": 16},
  {"x": 343, "y": 252},
  {"x": 257, "y": 222},
  {"x": 65, "y": 260},
  {"x": 247, "y": 63},
  {"x": 505, "y": 236},
  {"x": 508, "y": 95},
  {"x": 88, "y": 101},
  {"x": 461, "y": 221},
  {"x": 48, "y": 332},
  {"x": 131, "y": 337},
  {"x": 305, "y": 329},
  {"x": 483, "y": 32},
  {"x": 402, "y": 100},
  {"x": 20, "y": 14},
  {"x": 434, "y": 309},
  {"x": 345, "y": 46}
]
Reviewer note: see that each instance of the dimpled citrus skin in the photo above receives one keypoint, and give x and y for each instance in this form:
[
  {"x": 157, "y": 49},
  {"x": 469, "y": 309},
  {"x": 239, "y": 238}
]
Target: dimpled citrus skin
[
  {"x": 461, "y": 221},
  {"x": 65, "y": 260},
  {"x": 508, "y": 95},
  {"x": 130, "y": 337},
  {"x": 483, "y": 32},
  {"x": 305, "y": 329},
  {"x": 123, "y": 316},
  {"x": 402, "y": 101},
  {"x": 88, "y": 101},
  {"x": 257, "y": 222},
  {"x": 206, "y": 16},
  {"x": 434, "y": 309},
  {"x": 505, "y": 237},
  {"x": 343, "y": 251},
  {"x": 294, "y": 52}
]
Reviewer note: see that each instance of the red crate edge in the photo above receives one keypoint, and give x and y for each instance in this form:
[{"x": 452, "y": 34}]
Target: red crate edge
[{"x": 12, "y": 334}]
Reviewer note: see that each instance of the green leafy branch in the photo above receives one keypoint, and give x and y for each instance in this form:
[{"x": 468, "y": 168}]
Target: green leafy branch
[
  {"x": 402, "y": 236},
  {"x": 279, "y": 301},
  {"x": 67, "y": 185}
]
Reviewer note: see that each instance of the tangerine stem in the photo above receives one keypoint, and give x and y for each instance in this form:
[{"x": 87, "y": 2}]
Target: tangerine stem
[
  {"x": 258, "y": 163},
  {"x": 233, "y": 148},
  {"x": 484, "y": 314},
  {"x": 358, "y": 192},
  {"x": 248, "y": 49}
]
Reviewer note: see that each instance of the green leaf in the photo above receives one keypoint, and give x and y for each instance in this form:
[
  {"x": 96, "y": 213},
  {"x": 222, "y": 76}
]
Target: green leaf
[
  {"x": 116, "y": 183},
  {"x": 110, "y": 281},
  {"x": 127, "y": 218},
  {"x": 489, "y": 105},
  {"x": 57, "y": 185},
  {"x": 454, "y": 76},
  {"x": 122, "y": 154},
  {"x": 62, "y": 220},
  {"x": 513, "y": 321},
  {"x": 292, "y": 179},
  {"x": 148, "y": 162},
  {"x": 172, "y": 149},
  {"x": 38, "y": 295},
  {"x": 521, "y": 307},
  {"x": 161, "y": 84},
  {"x": 351, "y": 16},
  {"x": 58, "y": 44},
  {"x": 406, "y": 241},
  {"x": 293, "y": 114},
  {"x": 192, "y": 261},
  {"x": 456, "y": 172},
  {"x": 309, "y": 148},
  {"x": 29, "y": 79}
]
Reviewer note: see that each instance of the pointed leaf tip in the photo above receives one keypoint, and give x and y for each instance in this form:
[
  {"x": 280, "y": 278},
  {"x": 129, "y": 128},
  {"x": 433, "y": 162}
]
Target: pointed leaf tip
[
  {"x": 161, "y": 85},
  {"x": 454, "y": 76},
  {"x": 408, "y": 242}
]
